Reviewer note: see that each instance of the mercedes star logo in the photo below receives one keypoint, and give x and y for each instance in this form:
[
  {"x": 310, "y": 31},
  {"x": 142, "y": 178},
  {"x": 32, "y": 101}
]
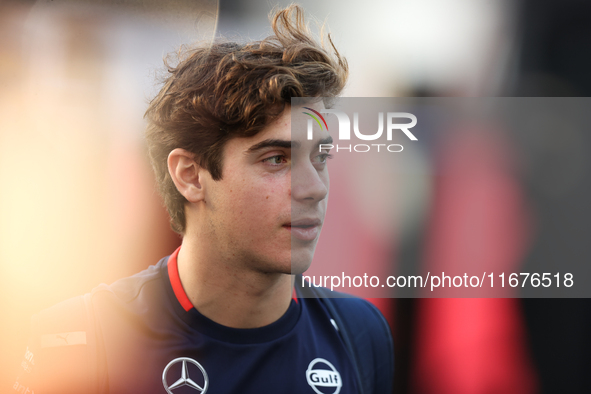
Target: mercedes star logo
[{"x": 185, "y": 379}]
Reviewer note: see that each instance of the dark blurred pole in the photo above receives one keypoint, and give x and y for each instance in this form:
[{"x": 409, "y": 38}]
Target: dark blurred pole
[{"x": 555, "y": 61}]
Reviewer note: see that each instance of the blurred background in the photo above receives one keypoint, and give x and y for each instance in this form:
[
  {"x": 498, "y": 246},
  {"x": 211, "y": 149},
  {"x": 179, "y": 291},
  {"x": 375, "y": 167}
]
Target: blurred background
[{"x": 78, "y": 205}]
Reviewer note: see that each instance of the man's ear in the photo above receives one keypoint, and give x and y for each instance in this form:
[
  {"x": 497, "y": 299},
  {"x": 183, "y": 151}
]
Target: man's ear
[{"x": 185, "y": 173}]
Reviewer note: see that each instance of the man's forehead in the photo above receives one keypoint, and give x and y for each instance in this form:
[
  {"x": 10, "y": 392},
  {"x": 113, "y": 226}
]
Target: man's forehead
[{"x": 289, "y": 130}]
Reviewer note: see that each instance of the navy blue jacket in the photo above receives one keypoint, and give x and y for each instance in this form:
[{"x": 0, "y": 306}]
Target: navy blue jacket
[{"x": 139, "y": 335}]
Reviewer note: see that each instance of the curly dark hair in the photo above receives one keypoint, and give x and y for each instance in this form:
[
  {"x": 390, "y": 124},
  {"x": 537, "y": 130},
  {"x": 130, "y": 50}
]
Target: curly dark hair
[{"x": 228, "y": 90}]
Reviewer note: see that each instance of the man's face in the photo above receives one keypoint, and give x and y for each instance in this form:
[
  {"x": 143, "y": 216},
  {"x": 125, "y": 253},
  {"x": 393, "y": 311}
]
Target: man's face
[{"x": 267, "y": 211}]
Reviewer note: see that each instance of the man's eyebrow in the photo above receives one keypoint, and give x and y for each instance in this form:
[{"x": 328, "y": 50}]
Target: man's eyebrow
[
  {"x": 325, "y": 141},
  {"x": 273, "y": 143},
  {"x": 286, "y": 144}
]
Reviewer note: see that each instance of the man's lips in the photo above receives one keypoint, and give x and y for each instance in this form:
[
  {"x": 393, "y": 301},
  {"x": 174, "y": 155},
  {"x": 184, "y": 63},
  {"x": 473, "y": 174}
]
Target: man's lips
[{"x": 304, "y": 229}]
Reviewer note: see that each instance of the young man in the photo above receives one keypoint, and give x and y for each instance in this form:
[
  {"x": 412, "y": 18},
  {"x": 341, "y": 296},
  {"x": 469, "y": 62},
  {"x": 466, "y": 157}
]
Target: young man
[{"x": 248, "y": 192}]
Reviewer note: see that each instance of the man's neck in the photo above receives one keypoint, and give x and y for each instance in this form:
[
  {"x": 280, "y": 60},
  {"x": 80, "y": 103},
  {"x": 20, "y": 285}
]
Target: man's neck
[{"x": 229, "y": 293}]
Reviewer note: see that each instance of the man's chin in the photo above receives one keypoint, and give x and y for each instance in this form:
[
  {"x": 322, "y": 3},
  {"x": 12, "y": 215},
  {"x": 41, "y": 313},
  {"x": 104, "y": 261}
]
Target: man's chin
[
  {"x": 300, "y": 264},
  {"x": 301, "y": 256}
]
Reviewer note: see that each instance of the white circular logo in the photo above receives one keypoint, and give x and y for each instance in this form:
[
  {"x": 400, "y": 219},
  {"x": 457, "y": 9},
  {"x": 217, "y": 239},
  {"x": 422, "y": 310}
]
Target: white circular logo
[
  {"x": 323, "y": 377},
  {"x": 187, "y": 377}
]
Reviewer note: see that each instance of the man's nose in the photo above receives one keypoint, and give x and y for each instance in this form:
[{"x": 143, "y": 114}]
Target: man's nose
[{"x": 307, "y": 183}]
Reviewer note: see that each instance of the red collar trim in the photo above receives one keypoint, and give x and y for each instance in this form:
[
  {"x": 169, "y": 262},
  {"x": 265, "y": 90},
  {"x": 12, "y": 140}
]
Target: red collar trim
[
  {"x": 175, "y": 281},
  {"x": 177, "y": 286},
  {"x": 294, "y": 295}
]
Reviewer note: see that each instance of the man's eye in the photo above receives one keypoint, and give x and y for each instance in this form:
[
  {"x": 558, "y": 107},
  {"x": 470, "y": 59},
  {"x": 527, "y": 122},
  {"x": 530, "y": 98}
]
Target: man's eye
[
  {"x": 323, "y": 158},
  {"x": 279, "y": 159}
]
